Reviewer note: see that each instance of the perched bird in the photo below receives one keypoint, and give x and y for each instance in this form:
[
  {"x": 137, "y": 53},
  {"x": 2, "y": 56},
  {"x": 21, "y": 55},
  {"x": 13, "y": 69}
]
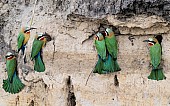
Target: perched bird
[
  {"x": 13, "y": 84},
  {"x": 36, "y": 53},
  {"x": 101, "y": 50},
  {"x": 155, "y": 56},
  {"x": 112, "y": 47},
  {"x": 105, "y": 63},
  {"x": 23, "y": 38}
]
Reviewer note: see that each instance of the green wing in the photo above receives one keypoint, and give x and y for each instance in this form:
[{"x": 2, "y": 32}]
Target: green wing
[
  {"x": 39, "y": 65},
  {"x": 11, "y": 68},
  {"x": 111, "y": 45},
  {"x": 20, "y": 41},
  {"x": 36, "y": 47},
  {"x": 155, "y": 54},
  {"x": 101, "y": 48}
]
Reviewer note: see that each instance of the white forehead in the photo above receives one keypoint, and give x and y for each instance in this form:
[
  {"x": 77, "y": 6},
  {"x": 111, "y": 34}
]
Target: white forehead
[
  {"x": 108, "y": 30},
  {"x": 26, "y": 28},
  {"x": 9, "y": 53},
  {"x": 99, "y": 34},
  {"x": 150, "y": 39},
  {"x": 40, "y": 34}
]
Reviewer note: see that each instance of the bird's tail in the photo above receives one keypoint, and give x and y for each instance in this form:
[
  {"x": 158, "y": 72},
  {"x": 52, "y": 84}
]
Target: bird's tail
[
  {"x": 39, "y": 64},
  {"x": 109, "y": 65},
  {"x": 99, "y": 66},
  {"x": 13, "y": 86},
  {"x": 116, "y": 66},
  {"x": 157, "y": 74}
]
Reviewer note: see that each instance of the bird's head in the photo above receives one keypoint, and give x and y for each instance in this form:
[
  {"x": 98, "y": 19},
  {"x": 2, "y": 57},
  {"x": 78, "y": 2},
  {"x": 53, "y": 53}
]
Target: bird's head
[
  {"x": 9, "y": 56},
  {"x": 151, "y": 41},
  {"x": 99, "y": 36},
  {"x": 108, "y": 32},
  {"x": 44, "y": 37},
  {"x": 26, "y": 30}
]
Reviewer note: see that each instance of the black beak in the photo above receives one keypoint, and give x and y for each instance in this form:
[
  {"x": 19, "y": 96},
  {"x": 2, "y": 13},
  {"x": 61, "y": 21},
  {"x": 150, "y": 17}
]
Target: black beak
[
  {"x": 47, "y": 36},
  {"x": 146, "y": 41},
  {"x": 29, "y": 29}
]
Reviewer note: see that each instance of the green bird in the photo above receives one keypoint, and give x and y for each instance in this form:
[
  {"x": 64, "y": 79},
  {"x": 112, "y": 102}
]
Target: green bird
[
  {"x": 23, "y": 38},
  {"x": 101, "y": 50},
  {"x": 112, "y": 47},
  {"x": 12, "y": 84},
  {"x": 36, "y": 53},
  {"x": 104, "y": 64},
  {"x": 155, "y": 56}
]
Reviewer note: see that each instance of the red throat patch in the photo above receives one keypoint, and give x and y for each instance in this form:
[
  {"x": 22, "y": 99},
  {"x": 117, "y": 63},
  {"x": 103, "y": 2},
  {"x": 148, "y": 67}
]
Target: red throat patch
[
  {"x": 96, "y": 37},
  {"x": 42, "y": 38},
  {"x": 150, "y": 44},
  {"x": 105, "y": 33},
  {"x": 10, "y": 57}
]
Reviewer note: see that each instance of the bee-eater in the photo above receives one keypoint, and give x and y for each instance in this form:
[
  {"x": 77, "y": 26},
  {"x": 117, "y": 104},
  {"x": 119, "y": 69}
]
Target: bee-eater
[
  {"x": 12, "y": 84},
  {"x": 104, "y": 64},
  {"x": 36, "y": 53},
  {"x": 23, "y": 38},
  {"x": 112, "y": 47},
  {"x": 155, "y": 56},
  {"x": 101, "y": 50}
]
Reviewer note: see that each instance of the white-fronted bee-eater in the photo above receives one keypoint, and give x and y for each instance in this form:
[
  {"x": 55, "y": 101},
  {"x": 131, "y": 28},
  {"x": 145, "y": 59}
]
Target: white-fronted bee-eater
[
  {"x": 105, "y": 63},
  {"x": 12, "y": 84},
  {"x": 112, "y": 47},
  {"x": 36, "y": 53},
  {"x": 23, "y": 38},
  {"x": 155, "y": 56}
]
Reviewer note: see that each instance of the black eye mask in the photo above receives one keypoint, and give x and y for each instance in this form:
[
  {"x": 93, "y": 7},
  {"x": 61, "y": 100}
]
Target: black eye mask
[
  {"x": 9, "y": 56},
  {"x": 39, "y": 37},
  {"x": 29, "y": 29}
]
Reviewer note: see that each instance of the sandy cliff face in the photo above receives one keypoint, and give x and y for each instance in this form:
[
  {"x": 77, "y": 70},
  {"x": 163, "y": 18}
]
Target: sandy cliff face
[{"x": 71, "y": 55}]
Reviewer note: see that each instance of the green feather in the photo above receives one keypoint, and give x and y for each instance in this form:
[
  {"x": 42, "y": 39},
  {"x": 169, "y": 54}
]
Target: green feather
[
  {"x": 116, "y": 66},
  {"x": 101, "y": 48},
  {"x": 157, "y": 75},
  {"x": 98, "y": 67},
  {"x": 11, "y": 68},
  {"x": 108, "y": 65},
  {"x": 20, "y": 40},
  {"x": 13, "y": 84},
  {"x": 13, "y": 87},
  {"x": 111, "y": 45},
  {"x": 39, "y": 65},
  {"x": 155, "y": 55},
  {"x": 36, "y": 47}
]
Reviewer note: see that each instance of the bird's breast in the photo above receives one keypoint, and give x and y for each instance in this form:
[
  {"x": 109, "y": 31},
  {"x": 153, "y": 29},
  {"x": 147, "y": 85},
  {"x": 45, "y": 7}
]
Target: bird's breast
[{"x": 27, "y": 36}]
